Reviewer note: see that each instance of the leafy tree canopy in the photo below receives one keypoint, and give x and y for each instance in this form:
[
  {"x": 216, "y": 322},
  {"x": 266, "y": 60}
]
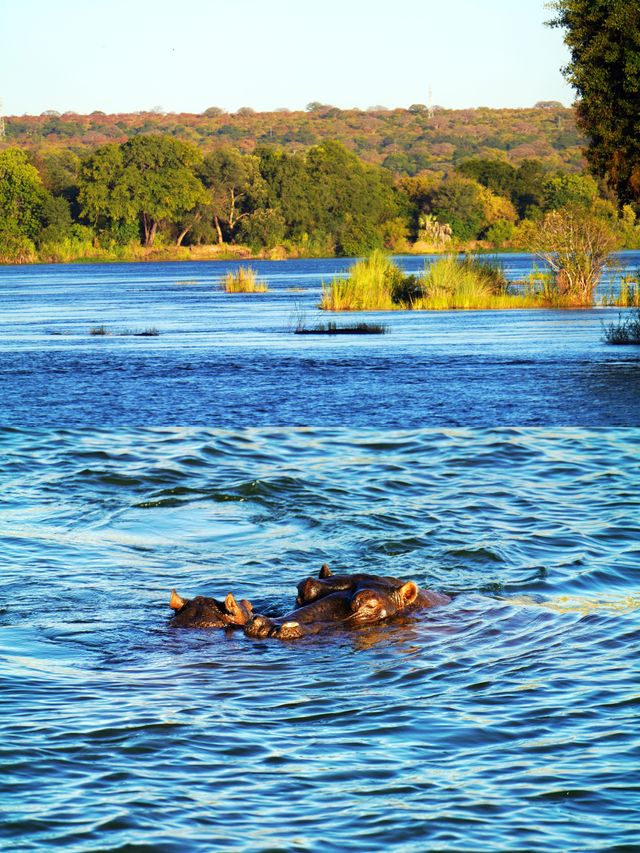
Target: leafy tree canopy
[
  {"x": 234, "y": 186},
  {"x": 603, "y": 37},
  {"x": 148, "y": 179},
  {"x": 21, "y": 195}
]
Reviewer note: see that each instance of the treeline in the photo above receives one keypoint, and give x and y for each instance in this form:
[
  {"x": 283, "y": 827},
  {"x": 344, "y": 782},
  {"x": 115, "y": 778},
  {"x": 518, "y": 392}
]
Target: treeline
[
  {"x": 155, "y": 191},
  {"x": 406, "y": 142}
]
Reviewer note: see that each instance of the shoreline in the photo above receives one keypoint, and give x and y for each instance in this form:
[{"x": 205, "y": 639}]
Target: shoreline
[{"x": 233, "y": 252}]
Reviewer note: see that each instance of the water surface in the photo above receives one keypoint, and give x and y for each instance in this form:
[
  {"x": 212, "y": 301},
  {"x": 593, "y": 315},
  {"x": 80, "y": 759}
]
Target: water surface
[
  {"x": 507, "y": 720},
  {"x": 232, "y": 360}
]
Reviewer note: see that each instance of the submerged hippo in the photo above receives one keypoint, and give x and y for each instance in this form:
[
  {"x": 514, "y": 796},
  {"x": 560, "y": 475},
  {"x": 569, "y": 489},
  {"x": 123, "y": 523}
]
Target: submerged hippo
[
  {"x": 406, "y": 595},
  {"x": 343, "y": 609},
  {"x": 205, "y": 612}
]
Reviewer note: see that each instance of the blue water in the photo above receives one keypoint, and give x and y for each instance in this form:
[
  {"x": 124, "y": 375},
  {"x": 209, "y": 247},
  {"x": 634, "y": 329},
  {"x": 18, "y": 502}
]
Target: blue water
[
  {"x": 232, "y": 361},
  {"x": 507, "y": 720},
  {"x": 493, "y": 456}
]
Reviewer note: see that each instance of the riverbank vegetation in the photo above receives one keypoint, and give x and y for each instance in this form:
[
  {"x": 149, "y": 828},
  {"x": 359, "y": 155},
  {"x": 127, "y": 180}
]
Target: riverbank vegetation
[{"x": 163, "y": 197}]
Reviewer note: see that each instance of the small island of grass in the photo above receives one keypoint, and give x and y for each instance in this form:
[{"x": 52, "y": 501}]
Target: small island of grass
[
  {"x": 573, "y": 246},
  {"x": 243, "y": 280}
]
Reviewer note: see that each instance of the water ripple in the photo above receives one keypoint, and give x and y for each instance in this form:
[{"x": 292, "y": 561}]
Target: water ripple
[{"x": 506, "y": 720}]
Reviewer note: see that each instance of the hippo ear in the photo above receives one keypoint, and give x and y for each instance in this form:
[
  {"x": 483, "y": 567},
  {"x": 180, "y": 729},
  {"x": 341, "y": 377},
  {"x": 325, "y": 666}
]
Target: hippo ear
[
  {"x": 230, "y": 604},
  {"x": 325, "y": 572},
  {"x": 408, "y": 593},
  {"x": 246, "y": 604},
  {"x": 175, "y": 602}
]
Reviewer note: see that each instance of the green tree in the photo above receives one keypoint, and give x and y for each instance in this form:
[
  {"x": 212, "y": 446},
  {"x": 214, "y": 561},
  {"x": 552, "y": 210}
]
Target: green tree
[
  {"x": 497, "y": 175},
  {"x": 103, "y": 201},
  {"x": 288, "y": 189},
  {"x": 148, "y": 180},
  {"x": 264, "y": 227},
  {"x": 350, "y": 200},
  {"x": 603, "y": 37},
  {"x": 22, "y": 197},
  {"x": 567, "y": 189},
  {"x": 57, "y": 223},
  {"x": 459, "y": 203},
  {"x": 527, "y": 193},
  {"x": 235, "y": 188}
]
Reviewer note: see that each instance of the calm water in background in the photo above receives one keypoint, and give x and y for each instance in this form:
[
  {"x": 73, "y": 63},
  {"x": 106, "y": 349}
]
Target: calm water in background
[
  {"x": 507, "y": 720},
  {"x": 232, "y": 360}
]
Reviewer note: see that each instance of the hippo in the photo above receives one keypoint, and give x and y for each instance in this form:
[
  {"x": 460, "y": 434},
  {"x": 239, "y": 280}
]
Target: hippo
[
  {"x": 405, "y": 594},
  {"x": 205, "y": 612},
  {"x": 342, "y": 609}
]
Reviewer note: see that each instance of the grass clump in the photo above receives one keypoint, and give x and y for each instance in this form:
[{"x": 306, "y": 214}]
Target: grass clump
[
  {"x": 627, "y": 295},
  {"x": 243, "y": 280},
  {"x": 466, "y": 282},
  {"x": 625, "y": 331},
  {"x": 377, "y": 284},
  {"x": 369, "y": 287}
]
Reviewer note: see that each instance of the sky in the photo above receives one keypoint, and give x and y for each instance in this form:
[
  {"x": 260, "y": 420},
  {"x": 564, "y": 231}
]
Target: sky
[{"x": 136, "y": 55}]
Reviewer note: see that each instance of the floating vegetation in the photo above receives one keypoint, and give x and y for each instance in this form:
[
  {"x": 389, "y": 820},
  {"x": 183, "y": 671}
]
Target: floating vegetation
[
  {"x": 333, "y": 329},
  {"x": 147, "y": 333},
  {"x": 625, "y": 331},
  {"x": 243, "y": 280}
]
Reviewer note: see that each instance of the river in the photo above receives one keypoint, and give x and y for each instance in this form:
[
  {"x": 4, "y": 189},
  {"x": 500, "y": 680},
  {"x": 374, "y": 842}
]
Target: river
[{"x": 227, "y": 454}]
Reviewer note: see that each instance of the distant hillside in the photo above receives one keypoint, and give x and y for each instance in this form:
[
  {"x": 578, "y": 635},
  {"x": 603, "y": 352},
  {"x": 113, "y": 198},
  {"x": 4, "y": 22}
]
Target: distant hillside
[{"x": 404, "y": 141}]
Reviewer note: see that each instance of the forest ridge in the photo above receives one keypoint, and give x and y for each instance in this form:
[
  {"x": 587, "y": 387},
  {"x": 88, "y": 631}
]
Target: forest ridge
[{"x": 405, "y": 141}]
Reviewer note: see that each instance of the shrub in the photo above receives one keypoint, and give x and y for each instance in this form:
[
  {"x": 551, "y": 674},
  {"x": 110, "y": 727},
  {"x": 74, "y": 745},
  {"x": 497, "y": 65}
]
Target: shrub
[
  {"x": 15, "y": 248},
  {"x": 576, "y": 246}
]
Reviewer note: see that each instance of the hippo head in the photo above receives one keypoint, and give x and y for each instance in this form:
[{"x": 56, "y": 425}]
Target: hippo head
[
  {"x": 237, "y": 612},
  {"x": 371, "y": 605},
  {"x": 204, "y": 612},
  {"x": 311, "y": 589},
  {"x": 375, "y": 604}
]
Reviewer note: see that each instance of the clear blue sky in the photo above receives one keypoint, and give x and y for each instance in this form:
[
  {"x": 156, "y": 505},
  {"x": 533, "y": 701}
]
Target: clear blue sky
[{"x": 127, "y": 55}]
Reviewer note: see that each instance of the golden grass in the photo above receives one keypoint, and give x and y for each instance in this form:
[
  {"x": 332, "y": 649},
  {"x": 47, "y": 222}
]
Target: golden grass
[
  {"x": 369, "y": 287},
  {"x": 243, "y": 280},
  {"x": 465, "y": 283},
  {"x": 627, "y": 295}
]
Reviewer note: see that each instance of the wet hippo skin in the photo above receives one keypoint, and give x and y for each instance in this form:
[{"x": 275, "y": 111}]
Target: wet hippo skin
[
  {"x": 342, "y": 609},
  {"x": 312, "y": 589},
  {"x": 205, "y": 612}
]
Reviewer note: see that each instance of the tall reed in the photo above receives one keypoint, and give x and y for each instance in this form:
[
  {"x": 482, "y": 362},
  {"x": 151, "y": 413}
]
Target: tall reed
[
  {"x": 467, "y": 283},
  {"x": 627, "y": 295},
  {"x": 369, "y": 286}
]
